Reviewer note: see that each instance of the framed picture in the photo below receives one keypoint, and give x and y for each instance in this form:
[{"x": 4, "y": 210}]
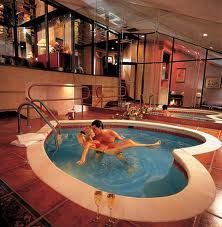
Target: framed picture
[
  {"x": 110, "y": 59},
  {"x": 180, "y": 75},
  {"x": 213, "y": 82}
]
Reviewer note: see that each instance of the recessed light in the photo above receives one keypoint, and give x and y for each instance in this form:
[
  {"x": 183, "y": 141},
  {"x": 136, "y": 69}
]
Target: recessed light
[
  {"x": 205, "y": 34},
  {"x": 142, "y": 36},
  {"x": 211, "y": 48},
  {"x": 112, "y": 48},
  {"x": 116, "y": 41}
]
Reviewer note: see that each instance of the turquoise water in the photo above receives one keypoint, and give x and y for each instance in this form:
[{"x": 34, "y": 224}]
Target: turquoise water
[
  {"x": 192, "y": 116},
  {"x": 148, "y": 172}
]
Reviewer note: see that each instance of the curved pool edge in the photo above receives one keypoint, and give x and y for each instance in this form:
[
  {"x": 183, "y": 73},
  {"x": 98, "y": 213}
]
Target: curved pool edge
[{"x": 159, "y": 209}]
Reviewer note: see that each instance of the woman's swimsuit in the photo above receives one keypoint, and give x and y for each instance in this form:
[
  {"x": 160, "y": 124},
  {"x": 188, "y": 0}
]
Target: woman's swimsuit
[{"x": 97, "y": 143}]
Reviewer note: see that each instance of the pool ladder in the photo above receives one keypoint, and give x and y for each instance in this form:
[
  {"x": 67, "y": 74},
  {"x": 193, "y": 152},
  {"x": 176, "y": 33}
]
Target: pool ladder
[{"x": 31, "y": 103}]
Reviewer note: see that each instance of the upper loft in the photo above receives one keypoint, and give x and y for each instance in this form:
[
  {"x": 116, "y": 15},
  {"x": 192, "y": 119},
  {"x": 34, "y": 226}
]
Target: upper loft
[{"x": 96, "y": 37}]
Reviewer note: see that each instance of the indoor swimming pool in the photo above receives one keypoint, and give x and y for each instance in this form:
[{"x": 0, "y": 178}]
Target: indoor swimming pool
[
  {"x": 147, "y": 172},
  {"x": 149, "y": 181}
]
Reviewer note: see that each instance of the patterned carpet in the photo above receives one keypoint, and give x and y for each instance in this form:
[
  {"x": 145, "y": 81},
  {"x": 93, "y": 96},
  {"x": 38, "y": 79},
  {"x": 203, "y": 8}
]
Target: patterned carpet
[{"x": 14, "y": 211}]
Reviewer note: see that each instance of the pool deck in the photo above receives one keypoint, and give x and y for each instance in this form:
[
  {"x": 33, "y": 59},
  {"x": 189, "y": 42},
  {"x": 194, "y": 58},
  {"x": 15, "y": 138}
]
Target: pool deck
[{"x": 18, "y": 175}]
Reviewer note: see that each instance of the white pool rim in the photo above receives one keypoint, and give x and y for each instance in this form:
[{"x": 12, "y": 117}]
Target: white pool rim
[{"x": 196, "y": 197}]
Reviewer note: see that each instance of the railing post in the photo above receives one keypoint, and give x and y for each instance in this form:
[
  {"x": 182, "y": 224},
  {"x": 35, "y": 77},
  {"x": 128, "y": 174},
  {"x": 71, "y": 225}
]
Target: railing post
[
  {"x": 82, "y": 106},
  {"x": 19, "y": 123},
  {"x": 102, "y": 101},
  {"x": 141, "y": 100},
  {"x": 28, "y": 116},
  {"x": 38, "y": 111}
]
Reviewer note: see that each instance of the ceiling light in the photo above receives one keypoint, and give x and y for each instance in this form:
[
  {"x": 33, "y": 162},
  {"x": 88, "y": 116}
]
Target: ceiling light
[
  {"x": 112, "y": 48},
  {"x": 205, "y": 34},
  {"x": 116, "y": 41},
  {"x": 142, "y": 36},
  {"x": 211, "y": 48}
]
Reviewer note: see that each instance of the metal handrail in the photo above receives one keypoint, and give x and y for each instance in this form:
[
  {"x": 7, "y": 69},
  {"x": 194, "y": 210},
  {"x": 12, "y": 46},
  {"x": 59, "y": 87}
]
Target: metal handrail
[
  {"x": 151, "y": 96},
  {"x": 12, "y": 92},
  {"x": 114, "y": 96},
  {"x": 152, "y": 104},
  {"x": 39, "y": 112},
  {"x": 58, "y": 85},
  {"x": 47, "y": 109}
]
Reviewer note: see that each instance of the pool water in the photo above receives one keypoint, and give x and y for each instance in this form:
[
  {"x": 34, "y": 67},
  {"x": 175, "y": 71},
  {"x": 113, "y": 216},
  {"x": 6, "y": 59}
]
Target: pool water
[
  {"x": 194, "y": 116},
  {"x": 148, "y": 172}
]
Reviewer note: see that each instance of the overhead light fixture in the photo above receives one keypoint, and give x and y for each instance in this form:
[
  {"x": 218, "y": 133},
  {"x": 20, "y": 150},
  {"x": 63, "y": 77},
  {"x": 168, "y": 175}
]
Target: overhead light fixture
[
  {"x": 116, "y": 41},
  {"x": 211, "y": 48},
  {"x": 112, "y": 48},
  {"x": 205, "y": 34},
  {"x": 142, "y": 36}
]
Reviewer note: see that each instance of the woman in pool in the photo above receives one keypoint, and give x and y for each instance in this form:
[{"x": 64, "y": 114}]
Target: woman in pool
[{"x": 85, "y": 139}]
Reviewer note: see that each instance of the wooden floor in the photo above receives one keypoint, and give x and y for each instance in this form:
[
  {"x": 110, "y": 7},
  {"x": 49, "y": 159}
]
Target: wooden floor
[{"x": 59, "y": 211}]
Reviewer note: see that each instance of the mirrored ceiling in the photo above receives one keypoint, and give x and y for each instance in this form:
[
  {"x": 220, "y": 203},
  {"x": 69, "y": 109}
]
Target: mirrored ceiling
[{"x": 199, "y": 22}]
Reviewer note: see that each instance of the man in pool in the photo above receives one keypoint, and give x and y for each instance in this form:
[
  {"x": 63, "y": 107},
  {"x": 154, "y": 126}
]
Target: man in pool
[
  {"x": 165, "y": 111},
  {"x": 85, "y": 139},
  {"x": 104, "y": 136}
]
